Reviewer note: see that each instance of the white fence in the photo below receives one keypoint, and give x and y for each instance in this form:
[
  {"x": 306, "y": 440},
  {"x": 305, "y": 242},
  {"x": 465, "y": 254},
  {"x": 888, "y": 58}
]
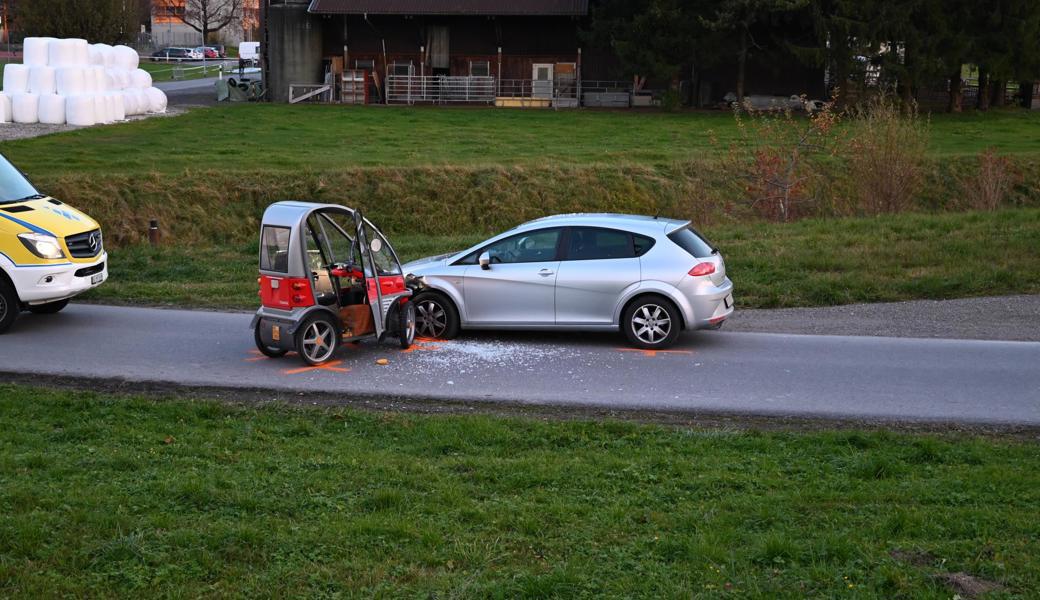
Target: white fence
[{"x": 439, "y": 89}]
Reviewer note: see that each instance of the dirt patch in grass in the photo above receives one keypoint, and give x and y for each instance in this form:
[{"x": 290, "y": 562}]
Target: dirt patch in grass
[{"x": 968, "y": 586}]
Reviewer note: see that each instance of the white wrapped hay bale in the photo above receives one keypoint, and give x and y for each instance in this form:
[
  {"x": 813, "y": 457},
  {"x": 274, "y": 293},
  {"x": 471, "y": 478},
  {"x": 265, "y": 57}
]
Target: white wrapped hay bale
[
  {"x": 126, "y": 57},
  {"x": 42, "y": 80},
  {"x": 131, "y": 104},
  {"x": 52, "y": 109},
  {"x": 140, "y": 79},
  {"x": 71, "y": 81},
  {"x": 144, "y": 104},
  {"x": 36, "y": 51},
  {"x": 5, "y": 108},
  {"x": 101, "y": 109},
  {"x": 156, "y": 100},
  {"x": 99, "y": 79},
  {"x": 79, "y": 110},
  {"x": 118, "y": 106},
  {"x": 16, "y": 79},
  {"x": 25, "y": 108}
]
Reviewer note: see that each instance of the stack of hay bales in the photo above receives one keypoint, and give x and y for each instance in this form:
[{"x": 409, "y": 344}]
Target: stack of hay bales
[{"x": 70, "y": 81}]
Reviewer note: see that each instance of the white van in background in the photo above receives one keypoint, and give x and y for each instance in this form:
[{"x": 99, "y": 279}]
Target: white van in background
[{"x": 249, "y": 51}]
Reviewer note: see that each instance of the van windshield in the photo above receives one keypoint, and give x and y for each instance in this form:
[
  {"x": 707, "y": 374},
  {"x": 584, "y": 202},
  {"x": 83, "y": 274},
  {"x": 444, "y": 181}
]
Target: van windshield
[{"x": 13, "y": 185}]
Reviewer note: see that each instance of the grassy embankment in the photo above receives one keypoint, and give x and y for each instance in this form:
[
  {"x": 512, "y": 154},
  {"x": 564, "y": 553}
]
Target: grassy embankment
[
  {"x": 114, "y": 496},
  {"x": 438, "y": 179}
]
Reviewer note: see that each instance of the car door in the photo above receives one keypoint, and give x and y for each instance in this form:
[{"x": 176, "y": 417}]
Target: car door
[
  {"x": 517, "y": 288},
  {"x": 598, "y": 265}
]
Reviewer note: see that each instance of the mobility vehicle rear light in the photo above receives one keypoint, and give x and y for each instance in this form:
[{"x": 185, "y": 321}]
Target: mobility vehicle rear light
[
  {"x": 43, "y": 246},
  {"x": 702, "y": 269}
]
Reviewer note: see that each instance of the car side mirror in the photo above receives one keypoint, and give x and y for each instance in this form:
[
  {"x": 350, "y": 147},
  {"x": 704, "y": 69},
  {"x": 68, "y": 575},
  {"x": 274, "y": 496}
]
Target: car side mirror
[{"x": 485, "y": 261}]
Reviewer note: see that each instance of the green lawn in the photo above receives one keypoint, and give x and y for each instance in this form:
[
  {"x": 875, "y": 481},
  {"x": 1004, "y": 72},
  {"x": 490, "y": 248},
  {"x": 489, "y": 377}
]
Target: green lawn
[
  {"x": 105, "y": 496},
  {"x": 808, "y": 263},
  {"x": 290, "y": 138}
]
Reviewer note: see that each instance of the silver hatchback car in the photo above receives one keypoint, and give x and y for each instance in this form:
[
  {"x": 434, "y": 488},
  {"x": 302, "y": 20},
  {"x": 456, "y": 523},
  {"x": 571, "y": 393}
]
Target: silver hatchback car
[{"x": 648, "y": 277}]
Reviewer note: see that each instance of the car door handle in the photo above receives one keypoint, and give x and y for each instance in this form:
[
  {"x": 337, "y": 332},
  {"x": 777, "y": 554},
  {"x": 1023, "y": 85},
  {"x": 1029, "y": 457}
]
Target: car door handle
[{"x": 545, "y": 272}]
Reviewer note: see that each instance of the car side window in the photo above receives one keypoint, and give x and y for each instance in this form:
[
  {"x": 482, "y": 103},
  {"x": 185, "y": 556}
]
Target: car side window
[
  {"x": 526, "y": 247},
  {"x": 642, "y": 244},
  {"x": 382, "y": 256},
  {"x": 593, "y": 243}
]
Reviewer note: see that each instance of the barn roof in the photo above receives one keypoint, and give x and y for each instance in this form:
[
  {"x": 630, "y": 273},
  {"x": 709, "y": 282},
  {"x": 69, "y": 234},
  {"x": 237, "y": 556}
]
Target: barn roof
[{"x": 451, "y": 7}]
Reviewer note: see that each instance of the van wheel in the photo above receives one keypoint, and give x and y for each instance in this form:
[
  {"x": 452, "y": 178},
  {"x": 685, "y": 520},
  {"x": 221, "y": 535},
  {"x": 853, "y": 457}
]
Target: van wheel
[
  {"x": 48, "y": 309},
  {"x": 9, "y": 305},
  {"x": 651, "y": 323},
  {"x": 317, "y": 340},
  {"x": 436, "y": 316},
  {"x": 268, "y": 351}
]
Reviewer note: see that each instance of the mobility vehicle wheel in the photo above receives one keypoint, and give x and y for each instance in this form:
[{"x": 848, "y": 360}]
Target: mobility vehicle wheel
[
  {"x": 9, "y": 305},
  {"x": 436, "y": 316},
  {"x": 49, "y": 309},
  {"x": 268, "y": 351},
  {"x": 317, "y": 340},
  {"x": 406, "y": 327},
  {"x": 651, "y": 322}
]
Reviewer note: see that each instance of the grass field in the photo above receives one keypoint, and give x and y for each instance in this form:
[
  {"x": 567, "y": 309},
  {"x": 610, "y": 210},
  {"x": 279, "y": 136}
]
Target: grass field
[
  {"x": 112, "y": 496},
  {"x": 809, "y": 263},
  {"x": 290, "y": 138}
]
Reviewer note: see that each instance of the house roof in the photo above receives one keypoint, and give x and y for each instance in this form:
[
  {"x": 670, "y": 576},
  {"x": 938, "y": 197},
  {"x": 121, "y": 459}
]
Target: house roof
[{"x": 451, "y": 7}]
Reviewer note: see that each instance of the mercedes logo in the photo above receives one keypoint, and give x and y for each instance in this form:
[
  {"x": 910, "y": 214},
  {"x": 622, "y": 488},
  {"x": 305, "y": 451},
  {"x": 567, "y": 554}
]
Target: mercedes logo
[{"x": 95, "y": 242}]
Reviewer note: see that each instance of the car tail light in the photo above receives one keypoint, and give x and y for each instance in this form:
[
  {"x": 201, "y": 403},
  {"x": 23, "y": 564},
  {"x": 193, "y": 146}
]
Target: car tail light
[{"x": 702, "y": 269}]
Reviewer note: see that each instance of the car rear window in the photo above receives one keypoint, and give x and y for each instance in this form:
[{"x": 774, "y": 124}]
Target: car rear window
[
  {"x": 589, "y": 243},
  {"x": 692, "y": 242},
  {"x": 274, "y": 249}
]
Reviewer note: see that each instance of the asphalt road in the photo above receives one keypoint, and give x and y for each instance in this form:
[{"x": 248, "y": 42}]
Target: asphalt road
[{"x": 762, "y": 374}]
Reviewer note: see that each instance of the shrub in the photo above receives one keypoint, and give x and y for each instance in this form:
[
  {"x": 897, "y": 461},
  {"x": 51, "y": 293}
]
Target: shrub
[
  {"x": 886, "y": 159},
  {"x": 774, "y": 156},
  {"x": 991, "y": 185}
]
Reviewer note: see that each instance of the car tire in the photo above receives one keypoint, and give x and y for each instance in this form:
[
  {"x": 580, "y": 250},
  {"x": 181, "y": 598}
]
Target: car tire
[
  {"x": 651, "y": 323},
  {"x": 50, "y": 308},
  {"x": 10, "y": 305},
  {"x": 317, "y": 340},
  {"x": 268, "y": 351},
  {"x": 436, "y": 316},
  {"x": 406, "y": 325}
]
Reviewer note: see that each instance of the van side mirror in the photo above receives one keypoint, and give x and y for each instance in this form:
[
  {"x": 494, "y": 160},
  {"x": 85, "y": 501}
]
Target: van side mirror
[{"x": 485, "y": 261}]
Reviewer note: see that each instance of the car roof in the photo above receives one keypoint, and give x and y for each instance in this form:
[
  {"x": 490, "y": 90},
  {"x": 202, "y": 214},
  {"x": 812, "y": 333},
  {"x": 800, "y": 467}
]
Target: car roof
[
  {"x": 636, "y": 223},
  {"x": 291, "y": 213}
]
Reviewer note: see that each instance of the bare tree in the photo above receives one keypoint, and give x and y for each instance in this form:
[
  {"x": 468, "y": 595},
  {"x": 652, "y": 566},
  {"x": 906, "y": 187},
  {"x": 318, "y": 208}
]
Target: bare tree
[{"x": 205, "y": 16}]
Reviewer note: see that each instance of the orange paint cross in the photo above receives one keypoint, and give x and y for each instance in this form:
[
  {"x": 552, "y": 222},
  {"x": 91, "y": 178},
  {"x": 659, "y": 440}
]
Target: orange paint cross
[
  {"x": 423, "y": 344},
  {"x": 653, "y": 353},
  {"x": 329, "y": 366},
  {"x": 257, "y": 355}
]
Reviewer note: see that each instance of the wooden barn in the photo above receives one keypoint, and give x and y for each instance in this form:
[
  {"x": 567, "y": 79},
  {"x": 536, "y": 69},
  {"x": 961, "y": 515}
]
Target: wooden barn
[{"x": 516, "y": 53}]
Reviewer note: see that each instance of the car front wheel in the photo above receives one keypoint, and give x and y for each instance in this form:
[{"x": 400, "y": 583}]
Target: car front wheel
[
  {"x": 651, "y": 323},
  {"x": 436, "y": 316},
  {"x": 9, "y": 306},
  {"x": 407, "y": 325}
]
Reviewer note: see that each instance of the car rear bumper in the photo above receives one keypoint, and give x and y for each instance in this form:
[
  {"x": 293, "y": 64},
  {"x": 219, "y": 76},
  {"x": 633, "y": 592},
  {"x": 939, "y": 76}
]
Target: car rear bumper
[
  {"x": 710, "y": 305},
  {"x": 44, "y": 284}
]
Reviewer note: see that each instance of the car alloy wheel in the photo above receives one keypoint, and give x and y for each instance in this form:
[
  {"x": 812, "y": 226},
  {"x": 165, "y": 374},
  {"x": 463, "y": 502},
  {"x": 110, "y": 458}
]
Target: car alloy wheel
[
  {"x": 651, "y": 324},
  {"x": 432, "y": 319},
  {"x": 319, "y": 341},
  {"x": 408, "y": 325}
]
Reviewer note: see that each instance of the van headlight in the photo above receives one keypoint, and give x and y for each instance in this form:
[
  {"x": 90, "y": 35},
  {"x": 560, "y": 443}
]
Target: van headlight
[{"x": 43, "y": 246}]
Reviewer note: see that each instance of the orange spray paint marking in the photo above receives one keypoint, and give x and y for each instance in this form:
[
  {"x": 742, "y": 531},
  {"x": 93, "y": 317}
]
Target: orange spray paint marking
[
  {"x": 423, "y": 344},
  {"x": 257, "y": 356},
  {"x": 653, "y": 353},
  {"x": 329, "y": 366}
]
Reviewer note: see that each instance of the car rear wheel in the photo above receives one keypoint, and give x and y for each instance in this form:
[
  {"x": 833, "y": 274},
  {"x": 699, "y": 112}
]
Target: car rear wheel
[
  {"x": 651, "y": 323},
  {"x": 317, "y": 340},
  {"x": 9, "y": 305},
  {"x": 268, "y": 351},
  {"x": 407, "y": 326},
  {"x": 436, "y": 316},
  {"x": 48, "y": 309}
]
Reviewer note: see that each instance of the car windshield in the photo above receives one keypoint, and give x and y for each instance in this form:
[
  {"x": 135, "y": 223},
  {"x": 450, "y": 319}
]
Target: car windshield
[{"x": 13, "y": 185}]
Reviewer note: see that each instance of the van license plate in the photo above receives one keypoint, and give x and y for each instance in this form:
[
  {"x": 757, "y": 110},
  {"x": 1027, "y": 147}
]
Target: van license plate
[{"x": 96, "y": 279}]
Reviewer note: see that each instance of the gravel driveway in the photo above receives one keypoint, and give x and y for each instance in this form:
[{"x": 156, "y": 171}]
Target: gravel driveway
[
  {"x": 1014, "y": 318},
  {"x": 20, "y": 131}
]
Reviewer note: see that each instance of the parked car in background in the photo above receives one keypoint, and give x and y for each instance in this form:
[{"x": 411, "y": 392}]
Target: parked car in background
[
  {"x": 49, "y": 251},
  {"x": 649, "y": 277},
  {"x": 206, "y": 52},
  {"x": 172, "y": 54},
  {"x": 220, "y": 50}
]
